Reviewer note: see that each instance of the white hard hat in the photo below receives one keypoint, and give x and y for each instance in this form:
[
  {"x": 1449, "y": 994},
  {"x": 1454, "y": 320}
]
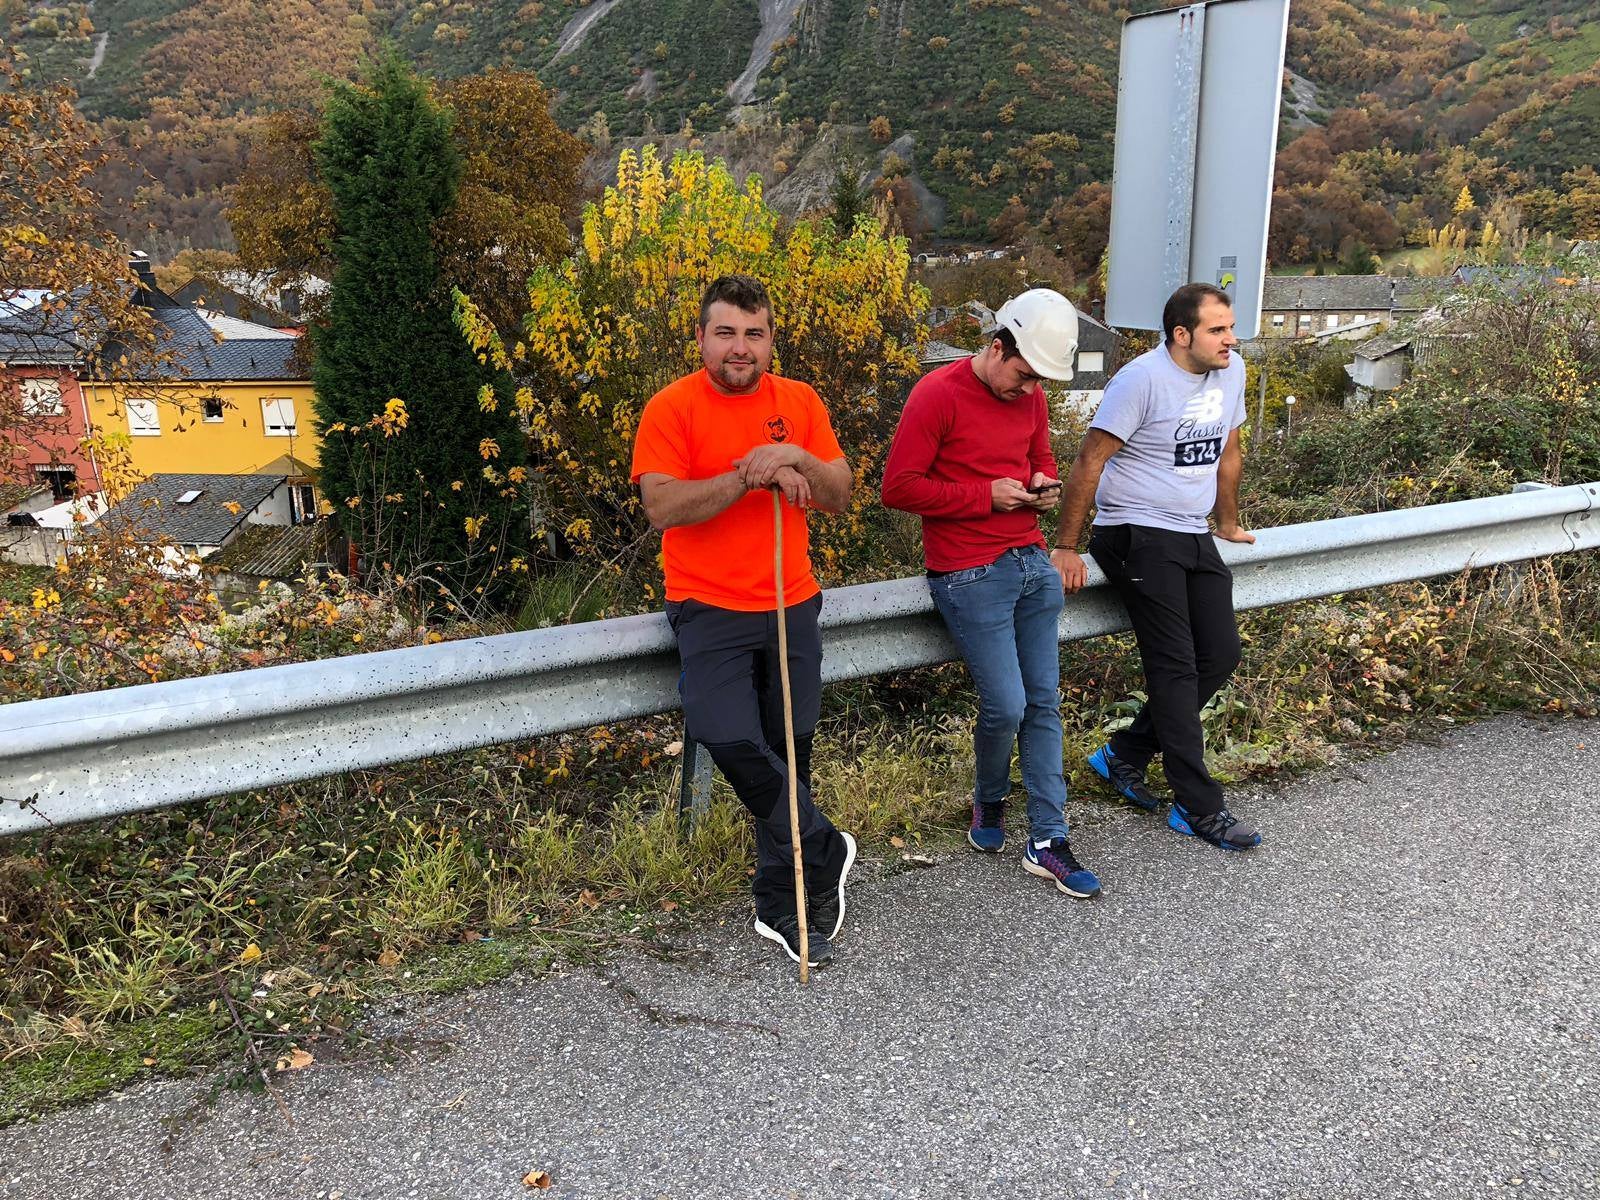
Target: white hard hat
[{"x": 1045, "y": 324}]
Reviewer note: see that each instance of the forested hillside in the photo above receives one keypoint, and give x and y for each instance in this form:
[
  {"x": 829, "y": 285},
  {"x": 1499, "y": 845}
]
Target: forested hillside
[{"x": 1002, "y": 108}]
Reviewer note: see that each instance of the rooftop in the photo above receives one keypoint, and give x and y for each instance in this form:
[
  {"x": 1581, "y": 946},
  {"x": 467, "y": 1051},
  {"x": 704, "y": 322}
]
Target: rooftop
[
  {"x": 152, "y": 513},
  {"x": 276, "y": 551},
  {"x": 1351, "y": 293}
]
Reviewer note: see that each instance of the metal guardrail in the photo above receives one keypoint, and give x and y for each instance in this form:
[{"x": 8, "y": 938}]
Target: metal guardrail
[{"x": 82, "y": 757}]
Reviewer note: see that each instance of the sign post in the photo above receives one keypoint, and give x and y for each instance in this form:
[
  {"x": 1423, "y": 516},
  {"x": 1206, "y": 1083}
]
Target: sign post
[{"x": 1198, "y": 96}]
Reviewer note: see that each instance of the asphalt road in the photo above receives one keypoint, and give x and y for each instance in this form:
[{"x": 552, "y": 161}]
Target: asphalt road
[{"x": 1396, "y": 996}]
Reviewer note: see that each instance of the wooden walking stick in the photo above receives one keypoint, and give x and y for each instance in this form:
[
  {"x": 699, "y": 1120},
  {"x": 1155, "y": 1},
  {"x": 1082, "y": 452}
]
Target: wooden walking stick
[{"x": 788, "y": 733}]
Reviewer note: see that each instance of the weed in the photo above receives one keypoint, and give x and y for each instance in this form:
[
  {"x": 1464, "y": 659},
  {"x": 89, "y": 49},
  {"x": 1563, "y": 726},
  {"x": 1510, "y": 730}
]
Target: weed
[{"x": 425, "y": 893}]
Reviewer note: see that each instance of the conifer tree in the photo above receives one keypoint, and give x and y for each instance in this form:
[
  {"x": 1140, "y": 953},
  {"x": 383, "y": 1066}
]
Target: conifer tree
[{"x": 427, "y": 485}]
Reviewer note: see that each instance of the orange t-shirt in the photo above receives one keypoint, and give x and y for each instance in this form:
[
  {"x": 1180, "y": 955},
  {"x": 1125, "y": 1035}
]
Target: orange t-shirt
[{"x": 689, "y": 430}]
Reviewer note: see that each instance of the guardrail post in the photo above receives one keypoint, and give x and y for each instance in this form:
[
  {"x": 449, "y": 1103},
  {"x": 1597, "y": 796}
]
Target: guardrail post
[{"x": 694, "y": 790}]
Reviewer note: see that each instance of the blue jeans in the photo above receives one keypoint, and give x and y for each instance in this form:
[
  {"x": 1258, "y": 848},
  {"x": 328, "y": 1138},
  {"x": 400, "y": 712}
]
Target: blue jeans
[{"x": 1003, "y": 617}]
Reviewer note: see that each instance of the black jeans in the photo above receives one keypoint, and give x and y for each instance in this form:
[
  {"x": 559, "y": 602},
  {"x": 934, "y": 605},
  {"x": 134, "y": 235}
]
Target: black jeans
[
  {"x": 1179, "y": 597},
  {"x": 733, "y": 706}
]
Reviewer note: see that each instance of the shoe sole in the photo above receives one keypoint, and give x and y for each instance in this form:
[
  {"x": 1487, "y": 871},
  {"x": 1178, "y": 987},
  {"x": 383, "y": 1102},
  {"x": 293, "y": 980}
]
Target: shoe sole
[
  {"x": 844, "y": 875},
  {"x": 772, "y": 935},
  {"x": 985, "y": 849},
  {"x": 1100, "y": 769},
  {"x": 1178, "y": 825},
  {"x": 1033, "y": 868}
]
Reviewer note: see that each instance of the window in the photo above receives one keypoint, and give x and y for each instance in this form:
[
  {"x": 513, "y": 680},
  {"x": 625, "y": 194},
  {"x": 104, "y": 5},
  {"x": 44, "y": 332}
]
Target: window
[
  {"x": 277, "y": 418},
  {"x": 1331, "y": 322},
  {"x": 1357, "y": 317},
  {"x": 1305, "y": 320},
  {"x": 41, "y": 398},
  {"x": 143, "y": 419},
  {"x": 63, "y": 481},
  {"x": 1277, "y": 323},
  {"x": 212, "y": 409},
  {"x": 1090, "y": 361},
  {"x": 192, "y": 495},
  {"x": 302, "y": 503}
]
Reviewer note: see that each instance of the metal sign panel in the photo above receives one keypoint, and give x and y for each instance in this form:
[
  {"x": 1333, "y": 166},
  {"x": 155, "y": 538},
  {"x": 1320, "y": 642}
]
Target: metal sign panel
[{"x": 1197, "y": 132}]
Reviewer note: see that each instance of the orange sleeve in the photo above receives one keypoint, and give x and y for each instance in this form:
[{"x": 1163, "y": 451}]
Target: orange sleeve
[
  {"x": 661, "y": 445},
  {"x": 821, "y": 442}
]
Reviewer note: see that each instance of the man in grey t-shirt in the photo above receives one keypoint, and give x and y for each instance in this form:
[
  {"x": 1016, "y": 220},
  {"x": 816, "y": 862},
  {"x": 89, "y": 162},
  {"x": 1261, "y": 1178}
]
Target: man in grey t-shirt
[{"x": 1161, "y": 455}]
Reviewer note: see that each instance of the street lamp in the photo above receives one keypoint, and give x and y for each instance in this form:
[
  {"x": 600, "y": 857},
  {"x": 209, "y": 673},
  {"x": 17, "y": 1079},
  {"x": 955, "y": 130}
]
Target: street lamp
[{"x": 1288, "y": 411}]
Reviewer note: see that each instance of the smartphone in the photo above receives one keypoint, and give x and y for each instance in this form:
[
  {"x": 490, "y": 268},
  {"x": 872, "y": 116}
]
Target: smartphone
[{"x": 1045, "y": 487}]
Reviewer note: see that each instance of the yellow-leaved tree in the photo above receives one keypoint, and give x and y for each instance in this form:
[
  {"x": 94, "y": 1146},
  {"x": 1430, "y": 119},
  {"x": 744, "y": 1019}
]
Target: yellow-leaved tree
[{"x": 614, "y": 323}]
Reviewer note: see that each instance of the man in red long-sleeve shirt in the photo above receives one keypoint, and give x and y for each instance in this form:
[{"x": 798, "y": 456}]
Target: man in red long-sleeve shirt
[{"x": 972, "y": 458}]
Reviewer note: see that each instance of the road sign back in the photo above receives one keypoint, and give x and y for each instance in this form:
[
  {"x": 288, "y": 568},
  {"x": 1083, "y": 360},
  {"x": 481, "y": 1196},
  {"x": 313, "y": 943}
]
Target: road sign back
[{"x": 1197, "y": 131}]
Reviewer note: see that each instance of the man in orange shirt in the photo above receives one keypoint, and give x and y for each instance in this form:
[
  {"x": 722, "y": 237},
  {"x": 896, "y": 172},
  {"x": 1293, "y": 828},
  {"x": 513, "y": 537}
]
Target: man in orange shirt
[{"x": 709, "y": 447}]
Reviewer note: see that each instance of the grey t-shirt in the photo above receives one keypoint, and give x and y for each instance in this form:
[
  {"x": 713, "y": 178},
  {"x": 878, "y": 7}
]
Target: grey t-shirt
[{"x": 1173, "y": 426}]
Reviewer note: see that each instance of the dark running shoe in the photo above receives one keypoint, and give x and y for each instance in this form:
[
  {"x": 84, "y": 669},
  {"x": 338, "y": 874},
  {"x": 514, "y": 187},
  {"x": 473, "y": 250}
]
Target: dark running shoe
[
  {"x": 1125, "y": 777},
  {"x": 785, "y": 930},
  {"x": 1054, "y": 861},
  {"x": 988, "y": 829},
  {"x": 827, "y": 910},
  {"x": 1221, "y": 828}
]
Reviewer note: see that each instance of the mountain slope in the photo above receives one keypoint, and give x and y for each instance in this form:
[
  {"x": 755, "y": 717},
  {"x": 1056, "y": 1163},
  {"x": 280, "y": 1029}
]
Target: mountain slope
[{"x": 1000, "y": 99}]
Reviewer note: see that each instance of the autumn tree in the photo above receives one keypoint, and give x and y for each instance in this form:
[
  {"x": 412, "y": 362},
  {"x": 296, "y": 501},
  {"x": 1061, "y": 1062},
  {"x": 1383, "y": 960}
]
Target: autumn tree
[
  {"x": 418, "y": 452},
  {"x": 518, "y": 188},
  {"x": 65, "y": 282},
  {"x": 614, "y": 322}
]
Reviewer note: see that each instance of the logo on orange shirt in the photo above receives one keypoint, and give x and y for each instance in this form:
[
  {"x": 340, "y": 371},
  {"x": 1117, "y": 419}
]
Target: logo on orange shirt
[{"x": 778, "y": 428}]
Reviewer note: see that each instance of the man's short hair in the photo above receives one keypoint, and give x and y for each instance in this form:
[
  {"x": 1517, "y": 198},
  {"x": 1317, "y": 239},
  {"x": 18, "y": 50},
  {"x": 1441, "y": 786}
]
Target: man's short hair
[
  {"x": 1008, "y": 344},
  {"x": 1183, "y": 306},
  {"x": 742, "y": 291}
]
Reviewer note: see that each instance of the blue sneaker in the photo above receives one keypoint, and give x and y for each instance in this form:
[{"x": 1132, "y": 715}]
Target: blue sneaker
[
  {"x": 1221, "y": 828},
  {"x": 1054, "y": 861},
  {"x": 987, "y": 831},
  {"x": 1125, "y": 777}
]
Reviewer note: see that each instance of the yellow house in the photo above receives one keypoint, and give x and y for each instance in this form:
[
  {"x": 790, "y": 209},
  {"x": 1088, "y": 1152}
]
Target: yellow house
[{"x": 236, "y": 406}]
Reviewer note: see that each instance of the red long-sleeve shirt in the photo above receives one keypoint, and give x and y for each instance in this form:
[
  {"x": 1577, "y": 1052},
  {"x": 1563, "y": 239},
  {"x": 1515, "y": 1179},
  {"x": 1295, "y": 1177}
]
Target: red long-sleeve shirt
[{"x": 955, "y": 437}]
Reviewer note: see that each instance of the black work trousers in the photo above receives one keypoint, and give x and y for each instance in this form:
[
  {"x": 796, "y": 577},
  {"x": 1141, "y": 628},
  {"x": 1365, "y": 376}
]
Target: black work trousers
[
  {"x": 732, "y": 694},
  {"x": 1179, "y": 597}
]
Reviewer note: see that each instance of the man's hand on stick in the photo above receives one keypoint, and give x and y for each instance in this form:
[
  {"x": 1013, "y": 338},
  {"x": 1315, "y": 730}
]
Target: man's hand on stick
[{"x": 760, "y": 466}]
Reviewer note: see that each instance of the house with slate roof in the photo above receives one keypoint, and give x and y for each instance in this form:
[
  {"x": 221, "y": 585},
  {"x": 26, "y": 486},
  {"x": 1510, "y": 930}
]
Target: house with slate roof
[
  {"x": 1301, "y": 305},
  {"x": 223, "y": 405},
  {"x": 229, "y": 400},
  {"x": 42, "y": 407},
  {"x": 198, "y": 515}
]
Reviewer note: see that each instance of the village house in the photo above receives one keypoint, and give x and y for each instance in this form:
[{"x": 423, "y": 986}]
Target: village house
[{"x": 1302, "y": 305}]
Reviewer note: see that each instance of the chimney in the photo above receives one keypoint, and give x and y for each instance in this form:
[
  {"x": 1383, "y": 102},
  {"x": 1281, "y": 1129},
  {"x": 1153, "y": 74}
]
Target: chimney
[{"x": 140, "y": 262}]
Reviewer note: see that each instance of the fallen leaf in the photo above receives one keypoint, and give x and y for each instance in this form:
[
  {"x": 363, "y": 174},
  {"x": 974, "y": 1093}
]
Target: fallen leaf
[
  {"x": 296, "y": 1060},
  {"x": 587, "y": 899},
  {"x": 537, "y": 1179},
  {"x": 899, "y": 843},
  {"x": 472, "y": 935},
  {"x": 316, "y": 989},
  {"x": 919, "y": 860},
  {"x": 249, "y": 954},
  {"x": 388, "y": 959},
  {"x": 673, "y": 749},
  {"x": 150, "y": 1062},
  {"x": 671, "y": 905}
]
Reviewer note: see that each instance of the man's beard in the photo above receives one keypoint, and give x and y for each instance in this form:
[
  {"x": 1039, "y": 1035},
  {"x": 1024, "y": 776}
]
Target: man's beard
[{"x": 737, "y": 377}]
